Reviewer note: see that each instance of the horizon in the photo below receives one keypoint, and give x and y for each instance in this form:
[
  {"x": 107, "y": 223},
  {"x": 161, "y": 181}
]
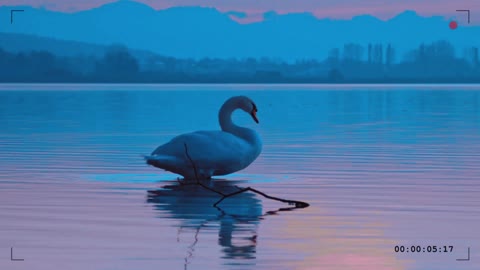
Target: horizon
[{"x": 246, "y": 16}]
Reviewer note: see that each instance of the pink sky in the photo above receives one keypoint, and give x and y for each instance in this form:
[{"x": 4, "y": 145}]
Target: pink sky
[{"x": 326, "y": 8}]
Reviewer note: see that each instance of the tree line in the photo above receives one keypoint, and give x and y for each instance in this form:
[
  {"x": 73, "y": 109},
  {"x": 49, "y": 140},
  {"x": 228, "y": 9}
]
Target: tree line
[{"x": 436, "y": 62}]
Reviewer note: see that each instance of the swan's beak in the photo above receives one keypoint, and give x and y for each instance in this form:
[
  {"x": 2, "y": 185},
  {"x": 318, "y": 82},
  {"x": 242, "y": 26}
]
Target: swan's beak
[{"x": 254, "y": 116}]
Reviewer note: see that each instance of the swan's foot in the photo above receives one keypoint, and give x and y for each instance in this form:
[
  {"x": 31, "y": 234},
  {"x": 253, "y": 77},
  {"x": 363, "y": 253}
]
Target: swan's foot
[
  {"x": 190, "y": 180},
  {"x": 186, "y": 181},
  {"x": 180, "y": 181}
]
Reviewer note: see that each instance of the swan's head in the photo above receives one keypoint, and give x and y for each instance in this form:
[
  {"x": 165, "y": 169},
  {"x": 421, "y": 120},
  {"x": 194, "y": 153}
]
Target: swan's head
[{"x": 247, "y": 105}]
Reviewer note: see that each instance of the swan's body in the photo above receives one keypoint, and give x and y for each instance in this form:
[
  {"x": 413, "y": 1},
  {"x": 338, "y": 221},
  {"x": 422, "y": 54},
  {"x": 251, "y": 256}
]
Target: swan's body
[{"x": 213, "y": 152}]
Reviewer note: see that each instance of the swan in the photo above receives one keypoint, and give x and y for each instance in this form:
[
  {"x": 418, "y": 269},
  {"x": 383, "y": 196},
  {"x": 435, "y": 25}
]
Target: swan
[{"x": 214, "y": 152}]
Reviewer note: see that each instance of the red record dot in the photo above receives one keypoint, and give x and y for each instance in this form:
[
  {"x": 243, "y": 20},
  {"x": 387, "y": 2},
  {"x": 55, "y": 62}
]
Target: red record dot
[{"x": 453, "y": 25}]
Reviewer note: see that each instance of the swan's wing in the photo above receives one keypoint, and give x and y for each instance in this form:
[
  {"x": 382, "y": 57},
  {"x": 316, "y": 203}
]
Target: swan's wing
[{"x": 216, "y": 150}]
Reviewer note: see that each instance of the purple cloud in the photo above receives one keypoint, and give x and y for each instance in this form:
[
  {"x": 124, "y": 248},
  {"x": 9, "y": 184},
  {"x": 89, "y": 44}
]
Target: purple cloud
[{"x": 253, "y": 9}]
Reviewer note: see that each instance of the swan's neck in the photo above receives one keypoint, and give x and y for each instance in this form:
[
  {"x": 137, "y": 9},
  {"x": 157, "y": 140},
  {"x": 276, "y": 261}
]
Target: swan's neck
[
  {"x": 249, "y": 135},
  {"x": 225, "y": 116},
  {"x": 226, "y": 123}
]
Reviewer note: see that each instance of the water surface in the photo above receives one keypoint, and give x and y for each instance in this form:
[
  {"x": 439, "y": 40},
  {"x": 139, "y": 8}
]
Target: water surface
[{"x": 380, "y": 166}]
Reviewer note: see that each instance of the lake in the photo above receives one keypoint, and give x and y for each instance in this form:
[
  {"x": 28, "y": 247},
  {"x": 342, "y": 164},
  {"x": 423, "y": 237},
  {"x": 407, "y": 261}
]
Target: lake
[{"x": 384, "y": 168}]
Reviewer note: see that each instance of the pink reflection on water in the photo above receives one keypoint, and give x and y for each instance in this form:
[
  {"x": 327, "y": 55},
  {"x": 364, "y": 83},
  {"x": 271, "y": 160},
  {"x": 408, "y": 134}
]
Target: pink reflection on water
[
  {"x": 363, "y": 261},
  {"x": 422, "y": 195}
]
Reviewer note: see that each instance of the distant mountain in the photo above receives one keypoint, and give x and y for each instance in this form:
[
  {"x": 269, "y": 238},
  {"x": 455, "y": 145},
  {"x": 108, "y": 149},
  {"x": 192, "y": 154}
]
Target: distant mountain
[
  {"x": 205, "y": 32},
  {"x": 16, "y": 43},
  {"x": 25, "y": 43}
]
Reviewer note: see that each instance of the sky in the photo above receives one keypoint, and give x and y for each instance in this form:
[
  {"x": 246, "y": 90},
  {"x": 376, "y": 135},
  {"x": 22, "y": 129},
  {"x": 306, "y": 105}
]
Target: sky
[{"x": 341, "y": 9}]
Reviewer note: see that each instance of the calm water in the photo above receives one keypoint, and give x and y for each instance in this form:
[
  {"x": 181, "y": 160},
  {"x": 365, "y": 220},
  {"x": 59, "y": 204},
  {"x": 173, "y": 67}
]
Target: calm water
[{"x": 380, "y": 168}]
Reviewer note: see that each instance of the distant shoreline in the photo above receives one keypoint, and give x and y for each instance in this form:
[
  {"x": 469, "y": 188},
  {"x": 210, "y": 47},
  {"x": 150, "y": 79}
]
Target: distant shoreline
[
  {"x": 232, "y": 86},
  {"x": 248, "y": 82}
]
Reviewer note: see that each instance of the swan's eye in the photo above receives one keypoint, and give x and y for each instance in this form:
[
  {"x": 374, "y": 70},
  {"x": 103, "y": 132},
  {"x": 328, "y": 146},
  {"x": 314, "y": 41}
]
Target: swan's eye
[{"x": 254, "y": 107}]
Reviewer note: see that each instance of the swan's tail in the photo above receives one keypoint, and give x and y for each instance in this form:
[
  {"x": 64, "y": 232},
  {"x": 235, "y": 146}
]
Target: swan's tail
[{"x": 167, "y": 163}]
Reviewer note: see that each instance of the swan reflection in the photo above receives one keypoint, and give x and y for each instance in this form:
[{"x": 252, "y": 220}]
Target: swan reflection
[{"x": 237, "y": 218}]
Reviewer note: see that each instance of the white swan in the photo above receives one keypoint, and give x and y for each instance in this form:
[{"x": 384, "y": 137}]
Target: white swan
[{"x": 213, "y": 152}]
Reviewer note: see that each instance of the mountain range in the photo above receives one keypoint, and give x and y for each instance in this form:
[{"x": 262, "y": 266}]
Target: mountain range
[
  {"x": 16, "y": 43},
  {"x": 196, "y": 32}
]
